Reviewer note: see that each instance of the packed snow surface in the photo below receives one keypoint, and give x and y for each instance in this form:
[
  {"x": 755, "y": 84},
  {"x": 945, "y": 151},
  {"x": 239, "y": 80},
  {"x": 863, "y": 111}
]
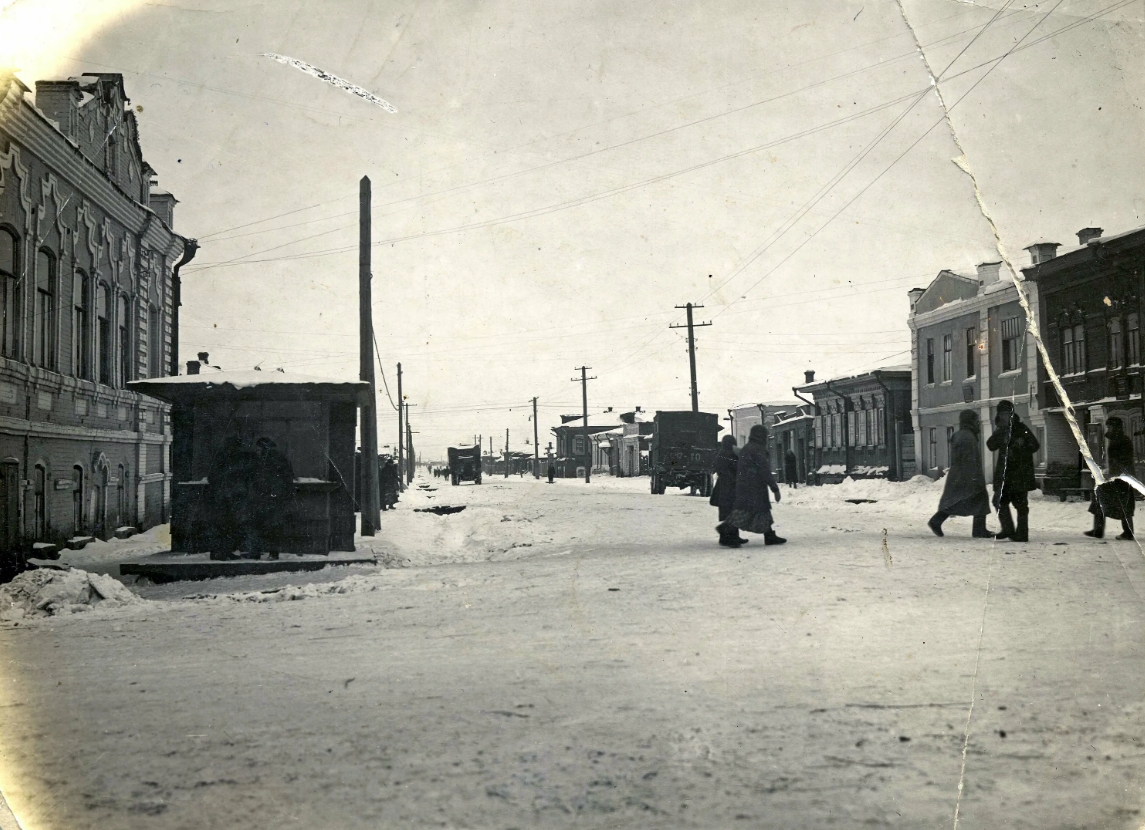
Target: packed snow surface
[{"x": 50, "y": 592}]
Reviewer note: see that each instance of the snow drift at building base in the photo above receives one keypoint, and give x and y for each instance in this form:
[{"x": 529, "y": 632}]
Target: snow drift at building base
[{"x": 46, "y": 593}]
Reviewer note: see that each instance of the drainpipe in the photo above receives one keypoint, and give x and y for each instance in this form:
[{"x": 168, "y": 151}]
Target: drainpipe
[
  {"x": 896, "y": 451},
  {"x": 190, "y": 248}
]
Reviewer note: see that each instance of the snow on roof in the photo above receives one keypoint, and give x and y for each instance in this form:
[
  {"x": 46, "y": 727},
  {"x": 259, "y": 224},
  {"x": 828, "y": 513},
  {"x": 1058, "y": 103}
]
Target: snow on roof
[{"x": 243, "y": 379}]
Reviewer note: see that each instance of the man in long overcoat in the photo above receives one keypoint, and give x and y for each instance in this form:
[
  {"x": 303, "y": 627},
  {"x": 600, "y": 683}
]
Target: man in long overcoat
[
  {"x": 1013, "y": 471},
  {"x": 965, "y": 491},
  {"x": 752, "y": 508},
  {"x": 724, "y": 495},
  {"x": 272, "y": 495},
  {"x": 791, "y": 469},
  {"x": 1114, "y": 499}
]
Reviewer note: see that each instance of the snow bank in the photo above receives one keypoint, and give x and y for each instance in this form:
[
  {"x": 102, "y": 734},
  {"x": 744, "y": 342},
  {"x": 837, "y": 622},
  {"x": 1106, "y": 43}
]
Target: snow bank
[
  {"x": 349, "y": 585},
  {"x": 46, "y": 593}
]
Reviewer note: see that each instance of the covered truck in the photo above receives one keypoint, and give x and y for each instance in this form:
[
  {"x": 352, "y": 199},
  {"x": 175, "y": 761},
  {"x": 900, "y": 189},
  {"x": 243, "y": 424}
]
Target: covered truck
[
  {"x": 464, "y": 464},
  {"x": 683, "y": 449}
]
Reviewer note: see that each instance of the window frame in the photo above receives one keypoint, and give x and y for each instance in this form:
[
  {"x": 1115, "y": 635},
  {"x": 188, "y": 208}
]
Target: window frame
[
  {"x": 930, "y": 361},
  {"x": 10, "y": 315},
  {"x": 44, "y": 312},
  {"x": 947, "y": 358},
  {"x": 971, "y": 352}
]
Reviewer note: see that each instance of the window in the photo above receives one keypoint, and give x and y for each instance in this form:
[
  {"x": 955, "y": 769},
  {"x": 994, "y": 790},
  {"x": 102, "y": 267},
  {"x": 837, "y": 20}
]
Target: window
[
  {"x": 1011, "y": 340},
  {"x": 40, "y": 503},
  {"x": 103, "y": 332},
  {"x": 121, "y": 495},
  {"x": 9, "y": 280},
  {"x": 154, "y": 343},
  {"x": 971, "y": 352},
  {"x": 43, "y": 338},
  {"x": 947, "y": 357},
  {"x": 578, "y": 445},
  {"x": 1067, "y": 351},
  {"x": 818, "y": 431},
  {"x": 81, "y": 325},
  {"x": 125, "y": 353},
  {"x": 880, "y": 426},
  {"x": 1080, "y": 358},
  {"x": 1116, "y": 356},
  {"x": 851, "y": 424},
  {"x": 933, "y": 457},
  {"x": 1133, "y": 339},
  {"x": 929, "y": 360}
]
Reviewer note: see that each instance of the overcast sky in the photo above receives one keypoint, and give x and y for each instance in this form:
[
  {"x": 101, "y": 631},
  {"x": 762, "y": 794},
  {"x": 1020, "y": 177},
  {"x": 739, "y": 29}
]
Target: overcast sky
[{"x": 559, "y": 175}]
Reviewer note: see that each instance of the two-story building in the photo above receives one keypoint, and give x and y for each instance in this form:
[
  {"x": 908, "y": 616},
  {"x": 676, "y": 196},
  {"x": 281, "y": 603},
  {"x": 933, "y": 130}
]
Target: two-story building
[
  {"x": 970, "y": 349},
  {"x": 574, "y": 453},
  {"x": 88, "y": 268},
  {"x": 1092, "y": 298},
  {"x": 863, "y": 427}
]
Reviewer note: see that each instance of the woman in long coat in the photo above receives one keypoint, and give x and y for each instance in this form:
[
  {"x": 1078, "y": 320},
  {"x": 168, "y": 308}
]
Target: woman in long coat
[
  {"x": 965, "y": 491},
  {"x": 724, "y": 495},
  {"x": 752, "y": 508},
  {"x": 1114, "y": 498}
]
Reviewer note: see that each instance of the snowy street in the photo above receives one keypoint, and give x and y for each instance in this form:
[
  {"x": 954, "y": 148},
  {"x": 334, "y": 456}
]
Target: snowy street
[{"x": 586, "y": 655}]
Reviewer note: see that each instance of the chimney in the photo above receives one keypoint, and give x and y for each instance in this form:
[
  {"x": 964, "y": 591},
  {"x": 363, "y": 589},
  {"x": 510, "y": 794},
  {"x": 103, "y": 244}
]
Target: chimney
[
  {"x": 1043, "y": 251},
  {"x": 989, "y": 272},
  {"x": 809, "y": 376},
  {"x": 193, "y": 367},
  {"x": 59, "y": 100},
  {"x": 914, "y": 294},
  {"x": 203, "y": 358},
  {"x": 1086, "y": 234}
]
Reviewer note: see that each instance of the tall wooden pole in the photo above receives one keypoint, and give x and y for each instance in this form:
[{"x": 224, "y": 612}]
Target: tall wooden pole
[
  {"x": 692, "y": 352},
  {"x": 401, "y": 433},
  {"x": 506, "y": 452},
  {"x": 536, "y": 446},
  {"x": 369, "y": 501},
  {"x": 583, "y": 379}
]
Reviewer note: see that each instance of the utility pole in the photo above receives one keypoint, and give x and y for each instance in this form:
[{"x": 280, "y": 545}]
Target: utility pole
[
  {"x": 584, "y": 400},
  {"x": 506, "y": 452},
  {"x": 692, "y": 351},
  {"x": 369, "y": 501},
  {"x": 401, "y": 432},
  {"x": 407, "y": 473},
  {"x": 536, "y": 445}
]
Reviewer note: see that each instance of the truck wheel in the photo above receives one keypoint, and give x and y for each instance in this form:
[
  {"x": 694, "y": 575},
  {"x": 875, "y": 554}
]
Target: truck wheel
[
  {"x": 478, "y": 480},
  {"x": 453, "y": 480}
]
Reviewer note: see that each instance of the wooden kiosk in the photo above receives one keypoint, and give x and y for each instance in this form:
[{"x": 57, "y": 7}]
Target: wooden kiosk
[{"x": 312, "y": 420}]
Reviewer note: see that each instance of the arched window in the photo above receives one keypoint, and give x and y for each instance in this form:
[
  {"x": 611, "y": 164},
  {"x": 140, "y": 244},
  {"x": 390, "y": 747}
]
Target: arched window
[
  {"x": 9, "y": 282},
  {"x": 43, "y": 337},
  {"x": 154, "y": 342},
  {"x": 103, "y": 321},
  {"x": 126, "y": 357},
  {"x": 81, "y": 325},
  {"x": 121, "y": 497}
]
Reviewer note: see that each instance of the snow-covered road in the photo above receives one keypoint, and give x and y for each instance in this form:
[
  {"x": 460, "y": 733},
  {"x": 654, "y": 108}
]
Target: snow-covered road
[{"x": 585, "y": 655}]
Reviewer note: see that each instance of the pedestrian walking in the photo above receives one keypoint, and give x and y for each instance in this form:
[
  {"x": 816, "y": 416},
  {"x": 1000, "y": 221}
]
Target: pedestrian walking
[
  {"x": 1013, "y": 471},
  {"x": 724, "y": 493},
  {"x": 754, "y": 479},
  {"x": 552, "y": 472},
  {"x": 964, "y": 493},
  {"x": 389, "y": 482},
  {"x": 272, "y": 496},
  {"x": 791, "y": 469},
  {"x": 1114, "y": 499}
]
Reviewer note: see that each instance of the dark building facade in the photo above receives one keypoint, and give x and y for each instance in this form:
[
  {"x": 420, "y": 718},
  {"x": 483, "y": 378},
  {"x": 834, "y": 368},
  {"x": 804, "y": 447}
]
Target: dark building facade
[
  {"x": 1091, "y": 302},
  {"x": 862, "y": 426},
  {"x": 87, "y": 256},
  {"x": 573, "y": 452}
]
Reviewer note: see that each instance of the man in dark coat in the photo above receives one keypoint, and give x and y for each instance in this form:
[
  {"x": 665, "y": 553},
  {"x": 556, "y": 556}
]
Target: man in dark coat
[
  {"x": 272, "y": 494},
  {"x": 752, "y": 508},
  {"x": 389, "y": 483},
  {"x": 724, "y": 494},
  {"x": 1114, "y": 499},
  {"x": 1013, "y": 471},
  {"x": 552, "y": 472},
  {"x": 228, "y": 497},
  {"x": 965, "y": 491},
  {"x": 791, "y": 469}
]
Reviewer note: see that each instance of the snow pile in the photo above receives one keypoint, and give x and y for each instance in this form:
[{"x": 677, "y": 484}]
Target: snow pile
[
  {"x": 47, "y": 592},
  {"x": 919, "y": 495},
  {"x": 349, "y": 585}
]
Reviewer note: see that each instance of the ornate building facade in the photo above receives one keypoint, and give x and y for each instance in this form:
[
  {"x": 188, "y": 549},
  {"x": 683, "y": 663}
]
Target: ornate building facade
[{"x": 88, "y": 291}]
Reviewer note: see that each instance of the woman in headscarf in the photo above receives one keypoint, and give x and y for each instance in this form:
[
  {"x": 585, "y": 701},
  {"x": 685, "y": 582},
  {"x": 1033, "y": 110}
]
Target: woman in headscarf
[
  {"x": 752, "y": 508},
  {"x": 965, "y": 491},
  {"x": 724, "y": 495}
]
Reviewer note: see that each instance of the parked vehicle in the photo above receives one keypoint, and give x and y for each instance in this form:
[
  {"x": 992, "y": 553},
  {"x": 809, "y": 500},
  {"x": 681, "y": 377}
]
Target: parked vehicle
[
  {"x": 683, "y": 449},
  {"x": 464, "y": 464}
]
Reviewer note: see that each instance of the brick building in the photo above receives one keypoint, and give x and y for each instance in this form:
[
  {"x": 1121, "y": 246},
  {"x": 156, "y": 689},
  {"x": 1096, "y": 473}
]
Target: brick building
[
  {"x": 1091, "y": 301},
  {"x": 88, "y": 271},
  {"x": 970, "y": 349}
]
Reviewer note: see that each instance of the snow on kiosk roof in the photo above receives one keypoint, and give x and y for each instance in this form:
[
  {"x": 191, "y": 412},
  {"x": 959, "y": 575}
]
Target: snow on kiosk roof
[{"x": 251, "y": 384}]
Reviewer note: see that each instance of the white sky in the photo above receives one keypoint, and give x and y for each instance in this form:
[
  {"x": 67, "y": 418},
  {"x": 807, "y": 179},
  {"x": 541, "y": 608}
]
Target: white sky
[{"x": 560, "y": 175}]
